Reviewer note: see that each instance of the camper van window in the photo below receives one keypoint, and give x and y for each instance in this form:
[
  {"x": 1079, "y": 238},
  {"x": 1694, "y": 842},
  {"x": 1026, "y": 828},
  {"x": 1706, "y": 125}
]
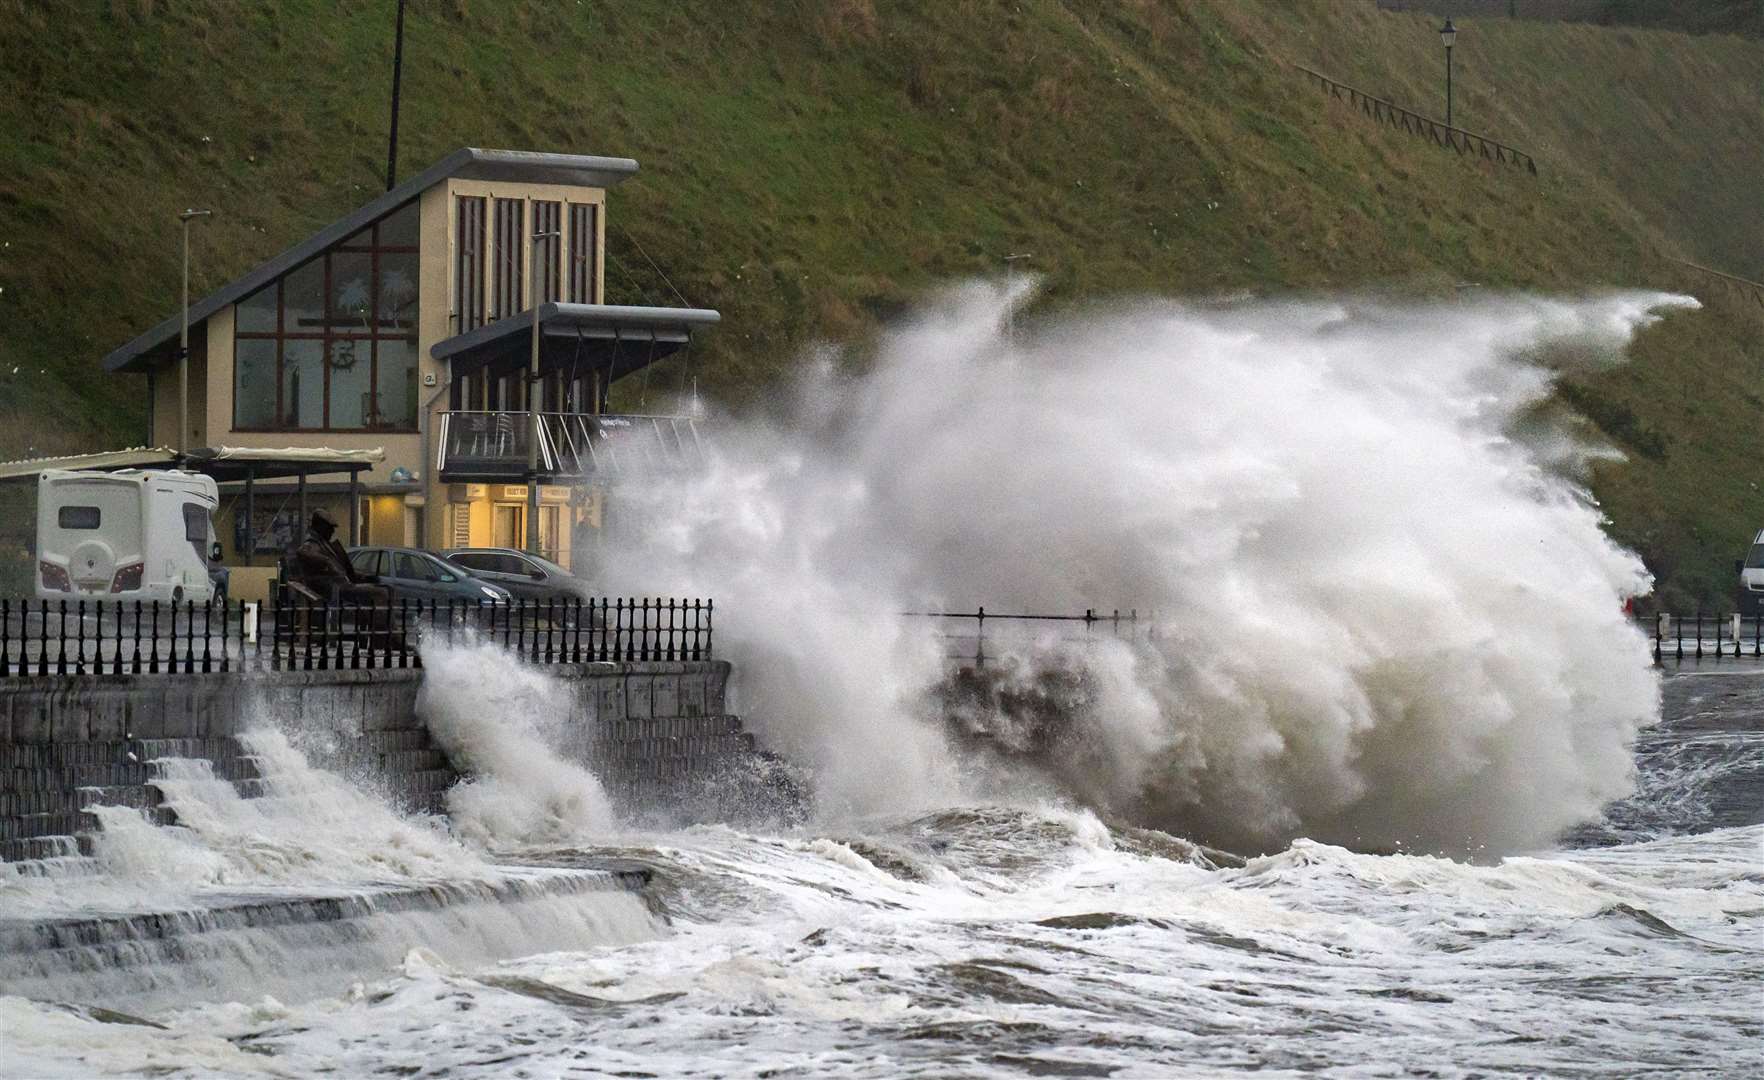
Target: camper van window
[
  {"x": 196, "y": 528},
  {"x": 1755, "y": 561},
  {"x": 77, "y": 517}
]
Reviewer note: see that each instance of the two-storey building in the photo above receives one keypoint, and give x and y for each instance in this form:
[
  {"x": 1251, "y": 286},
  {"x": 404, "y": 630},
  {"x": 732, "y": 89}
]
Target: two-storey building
[{"x": 407, "y": 325}]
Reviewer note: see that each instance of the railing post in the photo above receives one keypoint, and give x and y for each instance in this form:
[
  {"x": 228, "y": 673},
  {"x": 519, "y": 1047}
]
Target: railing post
[
  {"x": 1699, "y": 633},
  {"x": 61, "y": 638},
  {"x": 207, "y": 635},
  {"x": 5, "y": 638},
  {"x": 80, "y": 655}
]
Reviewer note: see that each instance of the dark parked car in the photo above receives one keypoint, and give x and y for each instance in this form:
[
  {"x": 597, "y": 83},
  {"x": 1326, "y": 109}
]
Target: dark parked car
[
  {"x": 528, "y": 577},
  {"x": 419, "y": 576}
]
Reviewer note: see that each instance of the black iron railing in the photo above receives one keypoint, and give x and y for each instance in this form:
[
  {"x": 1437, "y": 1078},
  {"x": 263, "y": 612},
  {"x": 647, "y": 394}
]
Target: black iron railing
[
  {"x": 965, "y": 646},
  {"x": 84, "y": 637},
  {"x": 571, "y": 445},
  {"x": 1442, "y": 133},
  {"x": 1681, "y": 637}
]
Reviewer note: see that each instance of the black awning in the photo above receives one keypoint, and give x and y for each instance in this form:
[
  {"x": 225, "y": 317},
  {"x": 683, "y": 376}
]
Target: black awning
[{"x": 609, "y": 338}]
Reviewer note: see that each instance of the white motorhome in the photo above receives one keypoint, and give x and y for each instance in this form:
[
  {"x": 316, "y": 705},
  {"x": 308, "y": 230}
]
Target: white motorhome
[
  {"x": 1751, "y": 575},
  {"x": 135, "y": 534}
]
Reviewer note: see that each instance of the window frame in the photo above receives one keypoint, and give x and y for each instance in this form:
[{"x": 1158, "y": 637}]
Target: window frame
[
  {"x": 329, "y": 332},
  {"x": 61, "y": 518}
]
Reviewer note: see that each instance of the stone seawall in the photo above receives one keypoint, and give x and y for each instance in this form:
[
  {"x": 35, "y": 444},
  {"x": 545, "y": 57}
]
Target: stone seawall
[{"x": 658, "y": 735}]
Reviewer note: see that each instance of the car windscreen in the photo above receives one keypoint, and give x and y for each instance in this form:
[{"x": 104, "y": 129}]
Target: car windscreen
[
  {"x": 1755, "y": 561},
  {"x": 366, "y": 562},
  {"x": 551, "y": 569},
  {"x": 422, "y": 567}
]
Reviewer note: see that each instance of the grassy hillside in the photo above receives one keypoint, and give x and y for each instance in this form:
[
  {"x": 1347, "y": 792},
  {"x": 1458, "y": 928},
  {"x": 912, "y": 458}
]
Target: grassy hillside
[{"x": 812, "y": 165}]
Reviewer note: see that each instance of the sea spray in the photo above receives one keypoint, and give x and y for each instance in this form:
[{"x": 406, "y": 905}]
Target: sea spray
[
  {"x": 1383, "y": 617},
  {"x": 503, "y": 723}
]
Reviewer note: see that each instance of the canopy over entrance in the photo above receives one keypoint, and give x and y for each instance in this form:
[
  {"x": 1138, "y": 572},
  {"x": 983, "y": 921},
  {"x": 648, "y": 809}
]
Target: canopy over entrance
[{"x": 607, "y": 338}]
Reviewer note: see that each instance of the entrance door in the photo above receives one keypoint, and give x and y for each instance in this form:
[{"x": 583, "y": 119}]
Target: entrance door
[
  {"x": 548, "y": 533},
  {"x": 509, "y": 526}
]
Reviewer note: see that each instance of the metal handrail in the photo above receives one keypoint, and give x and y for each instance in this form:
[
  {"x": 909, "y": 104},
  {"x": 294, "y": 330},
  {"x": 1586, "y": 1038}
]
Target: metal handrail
[{"x": 1414, "y": 123}]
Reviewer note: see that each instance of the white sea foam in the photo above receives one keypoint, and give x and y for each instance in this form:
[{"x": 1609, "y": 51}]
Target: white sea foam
[
  {"x": 504, "y": 723},
  {"x": 1384, "y": 618},
  {"x": 1047, "y": 943}
]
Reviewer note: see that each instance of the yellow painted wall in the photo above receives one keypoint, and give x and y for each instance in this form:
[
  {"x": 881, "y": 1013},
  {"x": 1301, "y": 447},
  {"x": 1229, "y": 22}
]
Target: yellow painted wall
[{"x": 211, "y": 380}]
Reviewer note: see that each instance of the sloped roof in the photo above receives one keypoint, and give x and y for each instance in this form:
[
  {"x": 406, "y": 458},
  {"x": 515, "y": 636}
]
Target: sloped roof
[
  {"x": 469, "y": 163},
  {"x": 220, "y": 462},
  {"x": 133, "y": 458}
]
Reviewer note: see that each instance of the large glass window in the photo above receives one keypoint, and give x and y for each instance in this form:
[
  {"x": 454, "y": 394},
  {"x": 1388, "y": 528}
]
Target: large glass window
[
  {"x": 584, "y": 250},
  {"x": 548, "y": 239},
  {"x": 468, "y": 268},
  {"x": 331, "y": 345},
  {"x": 505, "y": 258}
]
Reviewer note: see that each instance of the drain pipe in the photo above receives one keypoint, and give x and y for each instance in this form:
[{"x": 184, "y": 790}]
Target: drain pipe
[{"x": 425, "y": 422}]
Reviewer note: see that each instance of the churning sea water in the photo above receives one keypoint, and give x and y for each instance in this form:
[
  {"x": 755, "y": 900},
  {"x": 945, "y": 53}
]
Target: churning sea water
[
  {"x": 1391, "y": 665},
  {"x": 1001, "y": 940}
]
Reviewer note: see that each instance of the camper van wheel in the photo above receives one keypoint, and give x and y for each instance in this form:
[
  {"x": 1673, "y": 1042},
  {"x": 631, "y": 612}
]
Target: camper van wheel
[{"x": 178, "y": 594}]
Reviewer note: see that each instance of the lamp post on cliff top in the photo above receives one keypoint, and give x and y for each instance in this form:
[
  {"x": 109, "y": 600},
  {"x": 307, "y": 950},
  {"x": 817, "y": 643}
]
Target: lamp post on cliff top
[
  {"x": 537, "y": 298},
  {"x": 1448, "y": 34},
  {"x": 185, "y": 216}
]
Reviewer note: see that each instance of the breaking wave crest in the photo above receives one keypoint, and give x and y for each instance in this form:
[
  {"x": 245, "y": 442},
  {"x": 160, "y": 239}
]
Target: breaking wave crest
[
  {"x": 1386, "y": 613},
  {"x": 501, "y": 722}
]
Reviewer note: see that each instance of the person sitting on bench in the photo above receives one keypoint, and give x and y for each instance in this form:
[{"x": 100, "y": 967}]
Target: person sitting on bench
[{"x": 322, "y": 565}]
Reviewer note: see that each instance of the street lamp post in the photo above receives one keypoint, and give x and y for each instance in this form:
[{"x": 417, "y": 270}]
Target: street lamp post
[
  {"x": 185, "y": 216},
  {"x": 1448, "y": 34},
  {"x": 533, "y": 397}
]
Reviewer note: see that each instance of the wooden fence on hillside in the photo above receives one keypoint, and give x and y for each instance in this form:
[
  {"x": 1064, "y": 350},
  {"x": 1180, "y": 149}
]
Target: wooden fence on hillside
[
  {"x": 1744, "y": 287},
  {"x": 1466, "y": 143}
]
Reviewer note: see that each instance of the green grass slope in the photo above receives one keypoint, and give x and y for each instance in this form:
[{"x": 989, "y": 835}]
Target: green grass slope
[{"x": 810, "y": 166}]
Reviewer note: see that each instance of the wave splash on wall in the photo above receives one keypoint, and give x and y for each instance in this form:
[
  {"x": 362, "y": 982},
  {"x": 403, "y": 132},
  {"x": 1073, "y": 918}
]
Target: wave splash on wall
[
  {"x": 500, "y": 721},
  {"x": 1386, "y": 612}
]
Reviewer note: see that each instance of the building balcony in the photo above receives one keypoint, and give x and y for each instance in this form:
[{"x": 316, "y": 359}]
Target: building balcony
[{"x": 487, "y": 447}]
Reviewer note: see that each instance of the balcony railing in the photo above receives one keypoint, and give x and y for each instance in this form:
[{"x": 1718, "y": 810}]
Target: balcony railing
[{"x": 494, "y": 445}]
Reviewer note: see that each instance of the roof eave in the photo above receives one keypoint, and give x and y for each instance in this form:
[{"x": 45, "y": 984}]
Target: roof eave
[{"x": 555, "y": 317}]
